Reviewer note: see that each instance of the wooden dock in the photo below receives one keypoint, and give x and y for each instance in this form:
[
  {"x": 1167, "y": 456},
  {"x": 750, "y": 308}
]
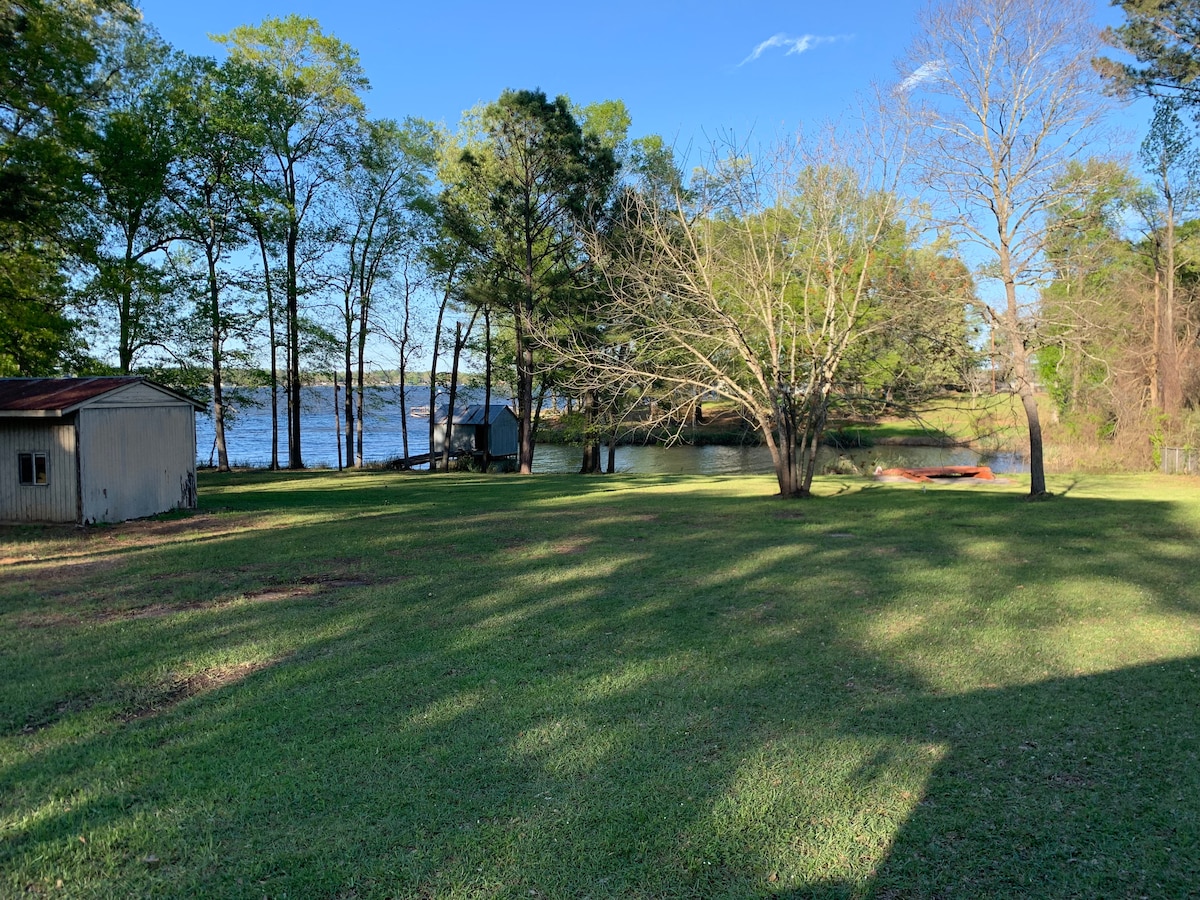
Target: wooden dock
[{"x": 420, "y": 459}]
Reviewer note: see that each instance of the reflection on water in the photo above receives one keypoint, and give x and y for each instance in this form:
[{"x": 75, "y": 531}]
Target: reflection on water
[
  {"x": 757, "y": 460},
  {"x": 249, "y": 442}
]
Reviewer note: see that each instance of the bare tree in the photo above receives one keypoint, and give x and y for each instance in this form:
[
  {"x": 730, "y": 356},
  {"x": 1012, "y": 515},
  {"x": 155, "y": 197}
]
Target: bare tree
[
  {"x": 1006, "y": 97},
  {"x": 754, "y": 285}
]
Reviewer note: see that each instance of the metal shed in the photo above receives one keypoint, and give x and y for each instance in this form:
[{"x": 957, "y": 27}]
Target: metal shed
[
  {"x": 477, "y": 427},
  {"x": 89, "y": 450}
]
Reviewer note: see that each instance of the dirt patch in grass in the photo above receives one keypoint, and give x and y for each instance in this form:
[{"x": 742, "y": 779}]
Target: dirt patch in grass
[
  {"x": 64, "y": 708},
  {"x": 174, "y": 691},
  {"x": 763, "y": 612},
  {"x": 332, "y": 580},
  {"x": 274, "y": 595},
  {"x": 58, "y": 544},
  {"x": 58, "y": 616},
  {"x": 304, "y": 586},
  {"x": 152, "y": 532},
  {"x": 152, "y": 611},
  {"x": 58, "y": 575},
  {"x": 571, "y": 546},
  {"x": 141, "y": 703}
]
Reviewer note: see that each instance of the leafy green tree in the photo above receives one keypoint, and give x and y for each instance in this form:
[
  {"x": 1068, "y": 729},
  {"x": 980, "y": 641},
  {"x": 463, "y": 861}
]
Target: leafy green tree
[
  {"x": 1174, "y": 167},
  {"x": 218, "y": 140},
  {"x": 129, "y": 159},
  {"x": 37, "y": 330},
  {"x": 924, "y": 347},
  {"x": 383, "y": 210},
  {"x": 311, "y": 119},
  {"x": 57, "y": 61},
  {"x": 1116, "y": 263},
  {"x": 1094, "y": 312},
  {"x": 267, "y": 223},
  {"x": 517, "y": 194},
  {"x": 1164, "y": 37}
]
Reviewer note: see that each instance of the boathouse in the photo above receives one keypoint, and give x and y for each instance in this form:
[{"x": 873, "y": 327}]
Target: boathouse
[
  {"x": 477, "y": 427},
  {"x": 88, "y": 450}
]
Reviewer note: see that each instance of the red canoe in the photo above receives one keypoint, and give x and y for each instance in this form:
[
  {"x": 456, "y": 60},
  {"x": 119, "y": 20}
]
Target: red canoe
[{"x": 931, "y": 472}]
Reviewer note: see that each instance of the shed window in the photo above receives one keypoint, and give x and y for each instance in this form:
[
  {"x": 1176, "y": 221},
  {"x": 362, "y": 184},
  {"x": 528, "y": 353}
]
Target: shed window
[{"x": 33, "y": 468}]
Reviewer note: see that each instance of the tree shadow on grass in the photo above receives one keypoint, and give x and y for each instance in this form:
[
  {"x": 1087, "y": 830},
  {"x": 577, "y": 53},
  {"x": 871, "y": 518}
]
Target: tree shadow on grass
[
  {"x": 1073, "y": 787},
  {"x": 666, "y": 695}
]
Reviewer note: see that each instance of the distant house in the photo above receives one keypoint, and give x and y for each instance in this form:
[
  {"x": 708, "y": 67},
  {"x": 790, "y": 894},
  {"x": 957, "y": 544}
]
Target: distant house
[
  {"x": 89, "y": 450},
  {"x": 493, "y": 427}
]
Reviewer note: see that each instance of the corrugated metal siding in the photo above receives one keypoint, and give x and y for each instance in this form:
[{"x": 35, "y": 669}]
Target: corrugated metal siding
[
  {"x": 56, "y": 501},
  {"x": 462, "y": 437},
  {"x": 503, "y": 438},
  {"x": 136, "y": 462},
  {"x": 502, "y": 431}
]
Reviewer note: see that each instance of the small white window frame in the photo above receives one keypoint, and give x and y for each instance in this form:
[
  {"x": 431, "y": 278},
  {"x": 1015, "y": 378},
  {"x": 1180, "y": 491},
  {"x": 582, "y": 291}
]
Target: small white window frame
[{"x": 38, "y": 464}]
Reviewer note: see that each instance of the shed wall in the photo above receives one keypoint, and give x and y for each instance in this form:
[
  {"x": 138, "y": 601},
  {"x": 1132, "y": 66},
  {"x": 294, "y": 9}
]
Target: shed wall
[
  {"x": 462, "y": 437},
  {"x": 503, "y": 436},
  {"x": 56, "y": 501},
  {"x": 502, "y": 439},
  {"x": 137, "y": 461}
]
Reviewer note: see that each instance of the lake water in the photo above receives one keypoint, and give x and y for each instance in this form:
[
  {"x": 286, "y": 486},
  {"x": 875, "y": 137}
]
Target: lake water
[{"x": 249, "y": 443}]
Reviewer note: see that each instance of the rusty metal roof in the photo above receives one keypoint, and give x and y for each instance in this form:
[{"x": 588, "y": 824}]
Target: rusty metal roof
[{"x": 60, "y": 395}]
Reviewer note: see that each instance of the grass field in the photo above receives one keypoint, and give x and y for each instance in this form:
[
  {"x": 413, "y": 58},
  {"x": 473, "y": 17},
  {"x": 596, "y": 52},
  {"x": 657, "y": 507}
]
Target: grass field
[{"x": 383, "y": 685}]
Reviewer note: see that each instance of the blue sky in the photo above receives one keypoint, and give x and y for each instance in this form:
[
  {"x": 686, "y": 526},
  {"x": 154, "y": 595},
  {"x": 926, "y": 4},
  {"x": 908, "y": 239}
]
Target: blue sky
[{"x": 688, "y": 71}]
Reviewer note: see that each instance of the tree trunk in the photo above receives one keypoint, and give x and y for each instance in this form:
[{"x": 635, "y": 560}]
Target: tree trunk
[
  {"x": 591, "y": 441},
  {"x": 437, "y": 337},
  {"x": 536, "y": 421},
  {"x": 785, "y": 441},
  {"x": 816, "y": 412},
  {"x": 274, "y": 345},
  {"x": 295, "y": 457},
  {"x": 348, "y": 380},
  {"x": 1010, "y": 322},
  {"x": 524, "y": 393},
  {"x": 337, "y": 421},
  {"x": 1169, "y": 377},
  {"x": 214, "y": 299},
  {"x": 1019, "y": 359},
  {"x": 403, "y": 408},
  {"x": 785, "y": 474},
  {"x": 437, "y": 343},
  {"x": 458, "y": 343},
  {"x": 125, "y": 315},
  {"x": 360, "y": 392},
  {"x": 1156, "y": 348},
  {"x": 487, "y": 388},
  {"x": 1037, "y": 469}
]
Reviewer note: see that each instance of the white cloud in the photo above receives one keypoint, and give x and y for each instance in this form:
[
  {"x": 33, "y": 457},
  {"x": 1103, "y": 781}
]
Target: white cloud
[
  {"x": 930, "y": 71},
  {"x": 793, "y": 44}
]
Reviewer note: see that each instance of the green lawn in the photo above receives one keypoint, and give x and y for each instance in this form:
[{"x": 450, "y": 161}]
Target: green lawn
[{"x": 388, "y": 685}]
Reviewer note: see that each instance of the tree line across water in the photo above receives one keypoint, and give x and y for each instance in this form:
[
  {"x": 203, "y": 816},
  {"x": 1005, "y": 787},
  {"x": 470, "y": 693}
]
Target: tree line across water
[{"x": 190, "y": 217}]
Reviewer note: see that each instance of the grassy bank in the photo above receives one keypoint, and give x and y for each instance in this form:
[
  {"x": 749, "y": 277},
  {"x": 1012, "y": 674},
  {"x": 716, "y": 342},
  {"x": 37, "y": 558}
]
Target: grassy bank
[{"x": 380, "y": 685}]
